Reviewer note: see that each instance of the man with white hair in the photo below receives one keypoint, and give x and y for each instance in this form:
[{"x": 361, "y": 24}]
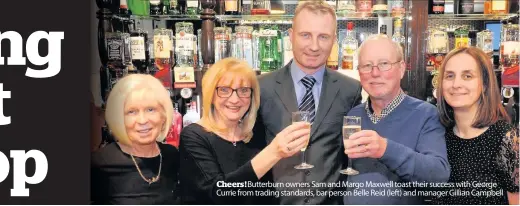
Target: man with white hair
[{"x": 401, "y": 141}]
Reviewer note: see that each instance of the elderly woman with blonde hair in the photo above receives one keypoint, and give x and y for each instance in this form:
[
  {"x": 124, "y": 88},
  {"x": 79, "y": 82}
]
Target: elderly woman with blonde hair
[
  {"x": 218, "y": 153},
  {"x": 137, "y": 168}
]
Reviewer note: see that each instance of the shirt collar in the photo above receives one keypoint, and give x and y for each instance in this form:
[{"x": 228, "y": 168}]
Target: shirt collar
[
  {"x": 297, "y": 74},
  {"x": 396, "y": 101}
]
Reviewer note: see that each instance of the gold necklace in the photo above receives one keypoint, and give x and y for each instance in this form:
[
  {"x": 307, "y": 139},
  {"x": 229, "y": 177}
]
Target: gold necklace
[{"x": 154, "y": 179}]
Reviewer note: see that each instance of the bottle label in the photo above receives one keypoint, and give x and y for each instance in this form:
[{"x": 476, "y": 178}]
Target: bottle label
[
  {"x": 511, "y": 47},
  {"x": 499, "y": 5},
  {"x": 231, "y": 5},
  {"x": 162, "y": 46},
  {"x": 155, "y": 2},
  {"x": 438, "y": 8},
  {"x": 115, "y": 49},
  {"x": 173, "y": 4},
  {"x": 137, "y": 45},
  {"x": 184, "y": 43},
  {"x": 364, "y": 6},
  {"x": 192, "y": 3}
]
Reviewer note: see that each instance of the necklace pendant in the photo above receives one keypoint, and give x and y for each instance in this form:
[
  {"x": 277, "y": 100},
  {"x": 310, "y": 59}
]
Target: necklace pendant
[{"x": 235, "y": 144}]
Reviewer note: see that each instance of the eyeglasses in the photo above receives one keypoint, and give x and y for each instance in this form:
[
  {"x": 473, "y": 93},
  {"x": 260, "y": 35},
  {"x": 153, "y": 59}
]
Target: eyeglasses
[
  {"x": 242, "y": 92},
  {"x": 383, "y": 66}
]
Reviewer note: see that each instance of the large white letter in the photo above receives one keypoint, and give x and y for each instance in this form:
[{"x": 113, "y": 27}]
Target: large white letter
[
  {"x": 4, "y": 95},
  {"x": 19, "y": 175},
  {"x": 53, "y": 57},
  {"x": 4, "y": 165},
  {"x": 16, "y": 40}
]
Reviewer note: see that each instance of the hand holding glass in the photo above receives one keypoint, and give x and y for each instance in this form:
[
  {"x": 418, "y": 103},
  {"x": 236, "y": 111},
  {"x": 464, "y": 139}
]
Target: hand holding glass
[
  {"x": 351, "y": 125},
  {"x": 302, "y": 116}
]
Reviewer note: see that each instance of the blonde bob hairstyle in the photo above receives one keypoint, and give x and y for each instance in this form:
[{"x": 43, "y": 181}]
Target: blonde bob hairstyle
[
  {"x": 240, "y": 69},
  {"x": 144, "y": 87}
]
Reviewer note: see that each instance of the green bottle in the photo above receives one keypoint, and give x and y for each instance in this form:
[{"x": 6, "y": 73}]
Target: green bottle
[{"x": 139, "y": 7}]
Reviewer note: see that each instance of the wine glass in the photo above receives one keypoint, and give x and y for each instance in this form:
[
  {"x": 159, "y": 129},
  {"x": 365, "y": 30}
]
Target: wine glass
[
  {"x": 302, "y": 116},
  {"x": 351, "y": 125}
]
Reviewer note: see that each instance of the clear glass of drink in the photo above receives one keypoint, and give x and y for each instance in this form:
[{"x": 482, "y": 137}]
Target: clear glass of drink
[
  {"x": 302, "y": 116},
  {"x": 351, "y": 125}
]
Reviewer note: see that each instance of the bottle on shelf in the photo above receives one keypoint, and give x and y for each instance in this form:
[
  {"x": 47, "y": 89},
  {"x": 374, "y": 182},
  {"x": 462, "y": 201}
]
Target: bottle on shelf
[
  {"x": 173, "y": 8},
  {"x": 123, "y": 8},
  {"x": 380, "y": 7},
  {"x": 462, "y": 37},
  {"x": 287, "y": 48},
  {"x": 233, "y": 7},
  {"x": 184, "y": 44},
  {"x": 139, "y": 50},
  {"x": 438, "y": 6},
  {"x": 500, "y": 6},
  {"x": 364, "y": 8},
  {"x": 270, "y": 52},
  {"x": 222, "y": 42},
  {"x": 191, "y": 116},
  {"x": 346, "y": 8},
  {"x": 163, "y": 42},
  {"x": 244, "y": 43},
  {"x": 510, "y": 44},
  {"x": 138, "y": 7},
  {"x": 438, "y": 41},
  {"x": 467, "y": 6},
  {"x": 398, "y": 36},
  {"x": 155, "y": 7},
  {"x": 332, "y": 61},
  {"x": 174, "y": 134},
  {"x": 349, "y": 45},
  {"x": 261, "y": 7},
  {"x": 382, "y": 29},
  {"x": 397, "y": 8},
  {"x": 192, "y": 7},
  {"x": 485, "y": 42}
]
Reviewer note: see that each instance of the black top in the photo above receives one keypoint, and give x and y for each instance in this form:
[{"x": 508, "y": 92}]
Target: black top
[
  {"x": 490, "y": 158},
  {"x": 115, "y": 179},
  {"x": 208, "y": 159}
]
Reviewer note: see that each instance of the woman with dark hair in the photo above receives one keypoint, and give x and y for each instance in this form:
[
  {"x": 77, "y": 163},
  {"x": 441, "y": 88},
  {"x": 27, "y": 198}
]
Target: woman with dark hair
[{"x": 482, "y": 144}]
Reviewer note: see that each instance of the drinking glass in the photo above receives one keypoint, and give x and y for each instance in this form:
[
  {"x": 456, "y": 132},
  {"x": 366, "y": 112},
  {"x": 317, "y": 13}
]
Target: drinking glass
[
  {"x": 351, "y": 125},
  {"x": 302, "y": 116}
]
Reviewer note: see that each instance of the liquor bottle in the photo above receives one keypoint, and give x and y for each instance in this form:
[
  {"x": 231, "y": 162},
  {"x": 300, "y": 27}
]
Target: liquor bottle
[
  {"x": 192, "y": 7},
  {"x": 155, "y": 7},
  {"x": 261, "y": 7},
  {"x": 268, "y": 40},
  {"x": 123, "y": 8},
  {"x": 127, "y": 55},
  {"x": 233, "y": 7},
  {"x": 398, "y": 36},
  {"x": 462, "y": 37},
  {"x": 174, "y": 8},
  {"x": 382, "y": 29},
  {"x": 346, "y": 8},
  {"x": 485, "y": 42},
  {"x": 380, "y": 7},
  {"x": 438, "y": 6},
  {"x": 349, "y": 45},
  {"x": 244, "y": 43},
  {"x": 438, "y": 41},
  {"x": 173, "y": 137},
  {"x": 191, "y": 116},
  {"x": 181, "y": 5},
  {"x": 287, "y": 48},
  {"x": 151, "y": 57},
  {"x": 184, "y": 48},
  {"x": 163, "y": 39},
  {"x": 165, "y": 7},
  {"x": 138, "y": 42},
  {"x": 499, "y": 6},
  {"x": 115, "y": 48},
  {"x": 332, "y": 61},
  {"x": 276, "y": 7},
  {"x": 510, "y": 43},
  {"x": 278, "y": 53},
  {"x": 364, "y": 8},
  {"x": 467, "y": 6},
  {"x": 222, "y": 42},
  {"x": 397, "y": 8}
]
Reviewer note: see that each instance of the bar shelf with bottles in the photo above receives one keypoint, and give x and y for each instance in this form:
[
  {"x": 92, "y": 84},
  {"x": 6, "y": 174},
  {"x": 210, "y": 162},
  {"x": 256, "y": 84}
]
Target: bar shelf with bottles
[{"x": 489, "y": 25}]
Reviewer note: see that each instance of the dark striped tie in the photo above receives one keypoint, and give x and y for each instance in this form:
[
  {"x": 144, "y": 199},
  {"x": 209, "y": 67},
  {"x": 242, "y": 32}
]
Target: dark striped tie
[{"x": 308, "y": 99}]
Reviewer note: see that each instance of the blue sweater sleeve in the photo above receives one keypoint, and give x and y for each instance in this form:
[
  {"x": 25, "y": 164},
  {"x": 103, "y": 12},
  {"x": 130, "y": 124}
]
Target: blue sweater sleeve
[{"x": 429, "y": 161}]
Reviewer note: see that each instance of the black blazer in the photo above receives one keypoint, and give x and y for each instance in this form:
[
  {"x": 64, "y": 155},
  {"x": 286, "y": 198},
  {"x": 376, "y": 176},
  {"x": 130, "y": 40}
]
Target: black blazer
[{"x": 339, "y": 94}]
